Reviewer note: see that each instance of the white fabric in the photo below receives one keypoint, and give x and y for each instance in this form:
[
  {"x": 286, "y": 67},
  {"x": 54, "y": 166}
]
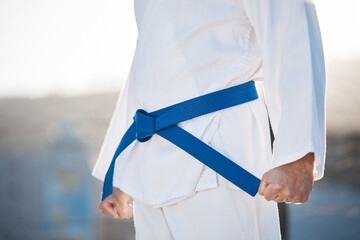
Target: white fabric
[
  {"x": 222, "y": 217},
  {"x": 188, "y": 48}
]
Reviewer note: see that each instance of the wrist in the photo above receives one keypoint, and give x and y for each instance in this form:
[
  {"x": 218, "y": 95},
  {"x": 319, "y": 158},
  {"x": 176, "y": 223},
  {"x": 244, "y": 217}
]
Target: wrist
[{"x": 308, "y": 161}]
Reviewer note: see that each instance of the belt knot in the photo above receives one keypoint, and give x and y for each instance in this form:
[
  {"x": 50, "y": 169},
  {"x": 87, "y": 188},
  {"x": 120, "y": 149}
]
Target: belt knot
[{"x": 145, "y": 125}]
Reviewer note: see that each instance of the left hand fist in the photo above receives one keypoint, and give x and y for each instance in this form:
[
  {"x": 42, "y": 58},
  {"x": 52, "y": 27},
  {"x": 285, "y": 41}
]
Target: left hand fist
[
  {"x": 292, "y": 182},
  {"x": 117, "y": 205}
]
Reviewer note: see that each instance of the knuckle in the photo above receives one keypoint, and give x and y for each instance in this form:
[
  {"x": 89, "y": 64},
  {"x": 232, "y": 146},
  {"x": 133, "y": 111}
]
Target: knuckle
[
  {"x": 278, "y": 187},
  {"x": 287, "y": 194},
  {"x": 270, "y": 188},
  {"x": 267, "y": 197},
  {"x": 304, "y": 199},
  {"x": 296, "y": 198},
  {"x": 265, "y": 178},
  {"x": 102, "y": 209},
  {"x": 123, "y": 215}
]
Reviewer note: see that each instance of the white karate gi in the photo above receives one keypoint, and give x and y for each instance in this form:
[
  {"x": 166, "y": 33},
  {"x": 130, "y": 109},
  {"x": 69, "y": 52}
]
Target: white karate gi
[{"x": 187, "y": 48}]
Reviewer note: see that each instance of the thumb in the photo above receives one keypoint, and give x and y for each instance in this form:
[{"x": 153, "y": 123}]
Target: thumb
[{"x": 109, "y": 208}]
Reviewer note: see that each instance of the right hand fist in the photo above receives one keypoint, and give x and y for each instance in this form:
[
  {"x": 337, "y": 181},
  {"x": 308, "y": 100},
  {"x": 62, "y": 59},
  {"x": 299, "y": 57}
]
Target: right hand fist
[
  {"x": 291, "y": 182},
  {"x": 118, "y": 205}
]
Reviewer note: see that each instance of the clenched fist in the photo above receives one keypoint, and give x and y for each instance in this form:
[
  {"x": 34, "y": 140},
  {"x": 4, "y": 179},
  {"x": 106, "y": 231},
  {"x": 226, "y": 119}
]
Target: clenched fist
[
  {"x": 292, "y": 182},
  {"x": 117, "y": 205}
]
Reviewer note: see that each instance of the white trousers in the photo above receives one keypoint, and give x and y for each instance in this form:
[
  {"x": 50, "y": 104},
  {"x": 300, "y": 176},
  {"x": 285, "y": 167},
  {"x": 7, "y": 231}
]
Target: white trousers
[{"x": 211, "y": 214}]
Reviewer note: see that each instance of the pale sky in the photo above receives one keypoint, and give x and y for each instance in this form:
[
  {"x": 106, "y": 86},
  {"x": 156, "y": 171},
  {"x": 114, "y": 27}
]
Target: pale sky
[{"x": 74, "y": 47}]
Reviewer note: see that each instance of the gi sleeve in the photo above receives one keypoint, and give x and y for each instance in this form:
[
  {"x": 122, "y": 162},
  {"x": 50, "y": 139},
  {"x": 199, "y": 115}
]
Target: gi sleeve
[{"x": 288, "y": 35}]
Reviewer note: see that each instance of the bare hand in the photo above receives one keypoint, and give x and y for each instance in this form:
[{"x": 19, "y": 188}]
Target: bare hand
[
  {"x": 292, "y": 182},
  {"x": 117, "y": 205}
]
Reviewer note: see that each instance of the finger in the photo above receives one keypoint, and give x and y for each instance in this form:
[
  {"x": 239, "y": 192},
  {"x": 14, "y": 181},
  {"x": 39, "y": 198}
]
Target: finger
[
  {"x": 125, "y": 215},
  {"x": 124, "y": 210},
  {"x": 298, "y": 201},
  {"x": 263, "y": 186},
  {"x": 121, "y": 215},
  {"x": 279, "y": 199},
  {"x": 103, "y": 209},
  {"x": 271, "y": 192}
]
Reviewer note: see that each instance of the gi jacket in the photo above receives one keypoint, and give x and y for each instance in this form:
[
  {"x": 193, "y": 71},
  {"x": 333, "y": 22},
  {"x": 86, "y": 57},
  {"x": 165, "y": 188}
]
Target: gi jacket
[{"x": 187, "y": 48}]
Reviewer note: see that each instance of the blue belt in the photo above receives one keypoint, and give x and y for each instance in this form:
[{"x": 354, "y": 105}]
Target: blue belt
[{"x": 163, "y": 122}]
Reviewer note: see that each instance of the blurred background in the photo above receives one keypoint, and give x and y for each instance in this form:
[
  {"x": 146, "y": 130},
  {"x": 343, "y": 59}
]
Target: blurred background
[{"x": 62, "y": 66}]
